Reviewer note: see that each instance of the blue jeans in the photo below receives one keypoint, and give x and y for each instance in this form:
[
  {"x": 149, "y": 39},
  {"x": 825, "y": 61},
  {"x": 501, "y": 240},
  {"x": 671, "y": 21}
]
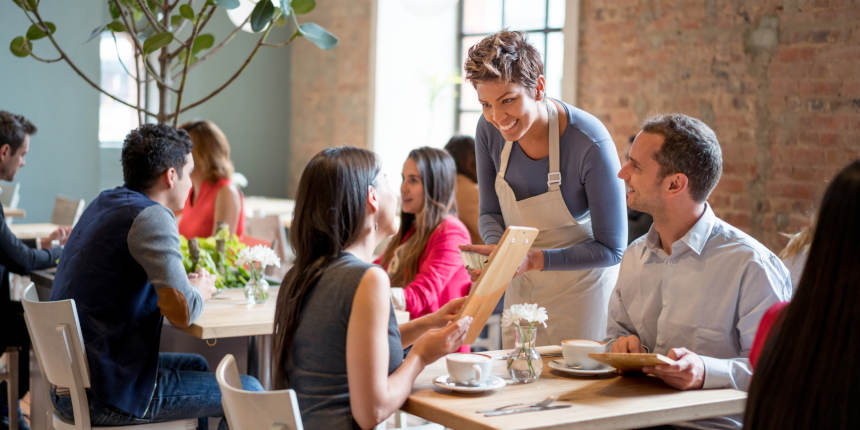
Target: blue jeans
[{"x": 184, "y": 388}]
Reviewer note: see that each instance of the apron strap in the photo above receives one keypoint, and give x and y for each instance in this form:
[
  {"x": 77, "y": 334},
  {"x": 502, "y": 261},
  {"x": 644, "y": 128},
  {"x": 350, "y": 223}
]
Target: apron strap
[
  {"x": 503, "y": 162},
  {"x": 553, "y": 178}
]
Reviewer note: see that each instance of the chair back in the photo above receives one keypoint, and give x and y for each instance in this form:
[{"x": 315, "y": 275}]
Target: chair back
[
  {"x": 67, "y": 211},
  {"x": 271, "y": 229},
  {"x": 275, "y": 410},
  {"x": 59, "y": 347},
  {"x": 10, "y": 195}
]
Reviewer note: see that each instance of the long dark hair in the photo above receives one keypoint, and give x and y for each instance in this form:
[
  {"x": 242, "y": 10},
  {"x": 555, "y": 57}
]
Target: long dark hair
[
  {"x": 438, "y": 175},
  {"x": 462, "y": 149},
  {"x": 807, "y": 376},
  {"x": 329, "y": 215}
]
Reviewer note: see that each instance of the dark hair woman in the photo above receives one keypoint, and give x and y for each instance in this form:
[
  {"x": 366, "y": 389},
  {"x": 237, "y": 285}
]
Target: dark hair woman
[
  {"x": 336, "y": 340},
  {"x": 423, "y": 258},
  {"x": 807, "y": 375},
  {"x": 462, "y": 149}
]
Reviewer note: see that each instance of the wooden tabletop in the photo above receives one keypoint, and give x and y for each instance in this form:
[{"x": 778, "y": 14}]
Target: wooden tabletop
[
  {"x": 14, "y": 212},
  {"x": 32, "y": 231},
  {"x": 607, "y": 402},
  {"x": 229, "y": 315},
  {"x": 260, "y": 205}
]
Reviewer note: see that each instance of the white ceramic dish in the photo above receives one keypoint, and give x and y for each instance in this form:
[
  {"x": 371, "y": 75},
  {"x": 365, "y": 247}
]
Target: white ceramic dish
[
  {"x": 561, "y": 367},
  {"x": 493, "y": 382}
]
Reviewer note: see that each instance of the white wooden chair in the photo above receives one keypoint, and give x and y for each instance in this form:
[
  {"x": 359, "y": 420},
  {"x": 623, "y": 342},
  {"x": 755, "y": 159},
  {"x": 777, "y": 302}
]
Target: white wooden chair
[
  {"x": 275, "y": 410},
  {"x": 271, "y": 229},
  {"x": 9, "y": 373},
  {"x": 67, "y": 211},
  {"x": 59, "y": 348}
]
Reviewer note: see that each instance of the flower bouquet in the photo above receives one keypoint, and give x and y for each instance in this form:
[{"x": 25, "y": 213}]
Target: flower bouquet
[
  {"x": 524, "y": 362},
  {"x": 256, "y": 259}
]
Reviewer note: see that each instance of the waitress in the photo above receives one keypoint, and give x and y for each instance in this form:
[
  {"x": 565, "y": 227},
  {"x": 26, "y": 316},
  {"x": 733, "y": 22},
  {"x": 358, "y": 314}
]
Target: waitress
[{"x": 543, "y": 163}]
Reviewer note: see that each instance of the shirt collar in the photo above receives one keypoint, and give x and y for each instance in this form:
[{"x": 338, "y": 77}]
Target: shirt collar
[{"x": 696, "y": 237}]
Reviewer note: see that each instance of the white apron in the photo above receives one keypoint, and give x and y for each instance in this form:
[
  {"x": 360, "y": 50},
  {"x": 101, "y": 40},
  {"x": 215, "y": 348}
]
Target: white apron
[{"x": 575, "y": 300}]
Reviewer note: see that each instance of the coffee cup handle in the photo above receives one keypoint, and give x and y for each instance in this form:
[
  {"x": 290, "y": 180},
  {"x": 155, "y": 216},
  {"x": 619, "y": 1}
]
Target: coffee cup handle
[{"x": 477, "y": 373}]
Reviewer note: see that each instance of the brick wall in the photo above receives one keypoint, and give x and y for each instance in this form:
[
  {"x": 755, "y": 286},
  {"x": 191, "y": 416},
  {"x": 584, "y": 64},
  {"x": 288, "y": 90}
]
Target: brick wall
[
  {"x": 779, "y": 81},
  {"x": 331, "y": 90}
]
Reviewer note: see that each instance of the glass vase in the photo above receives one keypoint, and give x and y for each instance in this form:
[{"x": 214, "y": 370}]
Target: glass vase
[
  {"x": 524, "y": 362},
  {"x": 256, "y": 290}
]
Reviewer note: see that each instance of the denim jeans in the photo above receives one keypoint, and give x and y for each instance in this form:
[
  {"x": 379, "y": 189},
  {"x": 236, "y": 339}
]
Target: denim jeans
[{"x": 184, "y": 388}]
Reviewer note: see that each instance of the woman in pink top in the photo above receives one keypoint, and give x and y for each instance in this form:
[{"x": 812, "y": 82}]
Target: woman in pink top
[
  {"x": 213, "y": 198},
  {"x": 423, "y": 258}
]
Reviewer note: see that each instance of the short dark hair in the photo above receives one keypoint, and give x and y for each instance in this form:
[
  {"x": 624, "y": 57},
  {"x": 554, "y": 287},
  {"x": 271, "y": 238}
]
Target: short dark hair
[
  {"x": 13, "y": 129},
  {"x": 149, "y": 151},
  {"x": 689, "y": 147},
  {"x": 505, "y": 55}
]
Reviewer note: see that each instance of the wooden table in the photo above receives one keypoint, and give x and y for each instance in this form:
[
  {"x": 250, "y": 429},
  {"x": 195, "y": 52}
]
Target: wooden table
[
  {"x": 14, "y": 212},
  {"x": 260, "y": 205},
  {"x": 607, "y": 402},
  {"x": 33, "y": 231}
]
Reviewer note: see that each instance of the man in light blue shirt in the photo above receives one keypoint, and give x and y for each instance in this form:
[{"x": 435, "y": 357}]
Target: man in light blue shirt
[{"x": 694, "y": 287}]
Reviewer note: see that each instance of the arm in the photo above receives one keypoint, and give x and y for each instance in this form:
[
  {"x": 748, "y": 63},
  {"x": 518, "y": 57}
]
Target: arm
[
  {"x": 491, "y": 223},
  {"x": 621, "y": 335},
  {"x": 20, "y": 258},
  {"x": 373, "y": 393},
  {"x": 413, "y": 329},
  {"x": 153, "y": 241},
  {"x": 439, "y": 263},
  {"x": 606, "y": 204},
  {"x": 228, "y": 206}
]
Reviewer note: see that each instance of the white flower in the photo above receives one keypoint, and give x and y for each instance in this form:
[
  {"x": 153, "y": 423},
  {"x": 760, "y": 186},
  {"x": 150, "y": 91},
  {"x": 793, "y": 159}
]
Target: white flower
[
  {"x": 260, "y": 254},
  {"x": 528, "y": 312}
]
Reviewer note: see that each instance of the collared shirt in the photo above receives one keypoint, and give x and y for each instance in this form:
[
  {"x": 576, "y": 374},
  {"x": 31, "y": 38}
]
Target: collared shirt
[{"x": 708, "y": 296}]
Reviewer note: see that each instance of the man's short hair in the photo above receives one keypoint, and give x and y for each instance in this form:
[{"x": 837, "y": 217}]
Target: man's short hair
[
  {"x": 13, "y": 129},
  {"x": 149, "y": 151},
  {"x": 689, "y": 147}
]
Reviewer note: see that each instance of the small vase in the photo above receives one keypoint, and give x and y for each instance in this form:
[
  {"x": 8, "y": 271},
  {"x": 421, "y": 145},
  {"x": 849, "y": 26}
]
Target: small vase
[
  {"x": 524, "y": 362},
  {"x": 256, "y": 291}
]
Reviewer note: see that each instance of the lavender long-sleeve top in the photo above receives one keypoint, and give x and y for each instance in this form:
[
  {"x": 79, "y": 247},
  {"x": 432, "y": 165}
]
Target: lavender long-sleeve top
[{"x": 589, "y": 165}]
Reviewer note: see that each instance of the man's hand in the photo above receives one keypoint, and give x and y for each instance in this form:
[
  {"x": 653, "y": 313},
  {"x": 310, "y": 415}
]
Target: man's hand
[
  {"x": 628, "y": 344},
  {"x": 61, "y": 235},
  {"x": 687, "y": 373},
  {"x": 204, "y": 282}
]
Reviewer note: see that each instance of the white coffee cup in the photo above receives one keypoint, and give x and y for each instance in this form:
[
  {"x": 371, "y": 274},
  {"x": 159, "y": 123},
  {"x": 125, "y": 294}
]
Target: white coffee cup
[
  {"x": 469, "y": 369},
  {"x": 576, "y": 352}
]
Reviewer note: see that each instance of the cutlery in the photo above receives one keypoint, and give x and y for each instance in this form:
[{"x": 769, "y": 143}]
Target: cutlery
[
  {"x": 544, "y": 402},
  {"x": 528, "y": 409}
]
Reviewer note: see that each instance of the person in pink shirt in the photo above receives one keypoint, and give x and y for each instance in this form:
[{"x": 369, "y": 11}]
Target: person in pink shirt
[{"x": 423, "y": 257}]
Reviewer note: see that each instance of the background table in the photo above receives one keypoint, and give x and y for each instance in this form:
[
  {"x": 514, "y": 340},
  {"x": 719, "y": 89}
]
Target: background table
[
  {"x": 607, "y": 402},
  {"x": 33, "y": 231},
  {"x": 260, "y": 205}
]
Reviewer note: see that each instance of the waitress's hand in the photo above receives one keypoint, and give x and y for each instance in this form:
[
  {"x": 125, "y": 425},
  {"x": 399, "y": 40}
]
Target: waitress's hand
[{"x": 533, "y": 261}]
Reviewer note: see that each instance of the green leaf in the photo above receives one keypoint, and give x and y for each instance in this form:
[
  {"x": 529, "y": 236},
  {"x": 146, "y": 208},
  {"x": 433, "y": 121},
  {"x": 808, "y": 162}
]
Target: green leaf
[
  {"x": 261, "y": 15},
  {"x": 156, "y": 42},
  {"x": 36, "y": 33},
  {"x": 33, "y": 4},
  {"x": 114, "y": 11},
  {"x": 186, "y": 12},
  {"x": 21, "y": 3},
  {"x": 228, "y": 4},
  {"x": 203, "y": 41},
  {"x": 318, "y": 35},
  {"x": 176, "y": 20},
  {"x": 116, "y": 27},
  {"x": 302, "y": 7},
  {"x": 20, "y": 46}
]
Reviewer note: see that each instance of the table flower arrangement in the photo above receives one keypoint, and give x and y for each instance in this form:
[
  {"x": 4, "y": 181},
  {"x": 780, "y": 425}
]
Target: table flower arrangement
[
  {"x": 256, "y": 258},
  {"x": 217, "y": 255},
  {"x": 524, "y": 362}
]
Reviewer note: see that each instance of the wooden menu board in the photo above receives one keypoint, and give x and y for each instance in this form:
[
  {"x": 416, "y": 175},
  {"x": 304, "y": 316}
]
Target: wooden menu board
[
  {"x": 497, "y": 274},
  {"x": 630, "y": 361}
]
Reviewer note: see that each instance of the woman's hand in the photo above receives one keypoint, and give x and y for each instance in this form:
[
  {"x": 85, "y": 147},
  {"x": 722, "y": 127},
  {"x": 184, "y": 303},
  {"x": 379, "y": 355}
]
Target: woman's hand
[
  {"x": 533, "y": 261},
  {"x": 448, "y": 312},
  {"x": 480, "y": 249},
  {"x": 436, "y": 343}
]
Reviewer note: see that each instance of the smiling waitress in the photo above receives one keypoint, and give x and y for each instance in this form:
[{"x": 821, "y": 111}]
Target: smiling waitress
[{"x": 543, "y": 163}]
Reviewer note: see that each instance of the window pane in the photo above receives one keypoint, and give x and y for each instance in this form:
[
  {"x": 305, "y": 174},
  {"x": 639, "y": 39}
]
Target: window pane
[
  {"x": 537, "y": 40},
  {"x": 468, "y": 123},
  {"x": 115, "y": 119},
  {"x": 468, "y": 96},
  {"x": 556, "y": 13},
  {"x": 553, "y": 66},
  {"x": 482, "y": 16},
  {"x": 525, "y": 14}
]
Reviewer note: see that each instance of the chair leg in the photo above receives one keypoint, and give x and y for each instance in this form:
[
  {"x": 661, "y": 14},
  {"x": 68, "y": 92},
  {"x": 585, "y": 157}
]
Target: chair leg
[{"x": 12, "y": 387}]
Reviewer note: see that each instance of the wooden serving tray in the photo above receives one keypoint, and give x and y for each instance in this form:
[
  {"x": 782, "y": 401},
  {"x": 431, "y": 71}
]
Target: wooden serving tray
[
  {"x": 497, "y": 274},
  {"x": 630, "y": 361}
]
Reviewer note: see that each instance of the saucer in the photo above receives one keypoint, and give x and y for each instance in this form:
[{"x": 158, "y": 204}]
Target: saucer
[
  {"x": 562, "y": 367},
  {"x": 493, "y": 383}
]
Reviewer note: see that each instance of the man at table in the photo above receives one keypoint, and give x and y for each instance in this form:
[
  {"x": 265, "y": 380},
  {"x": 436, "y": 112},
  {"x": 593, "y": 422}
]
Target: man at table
[
  {"x": 18, "y": 256},
  {"x": 694, "y": 287},
  {"x": 123, "y": 267}
]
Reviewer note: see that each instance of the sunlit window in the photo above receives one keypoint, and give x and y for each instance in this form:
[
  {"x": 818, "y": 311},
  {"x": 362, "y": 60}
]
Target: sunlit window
[
  {"x": 117, "y": 70},
  {"x": 542, "y": 20}
]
